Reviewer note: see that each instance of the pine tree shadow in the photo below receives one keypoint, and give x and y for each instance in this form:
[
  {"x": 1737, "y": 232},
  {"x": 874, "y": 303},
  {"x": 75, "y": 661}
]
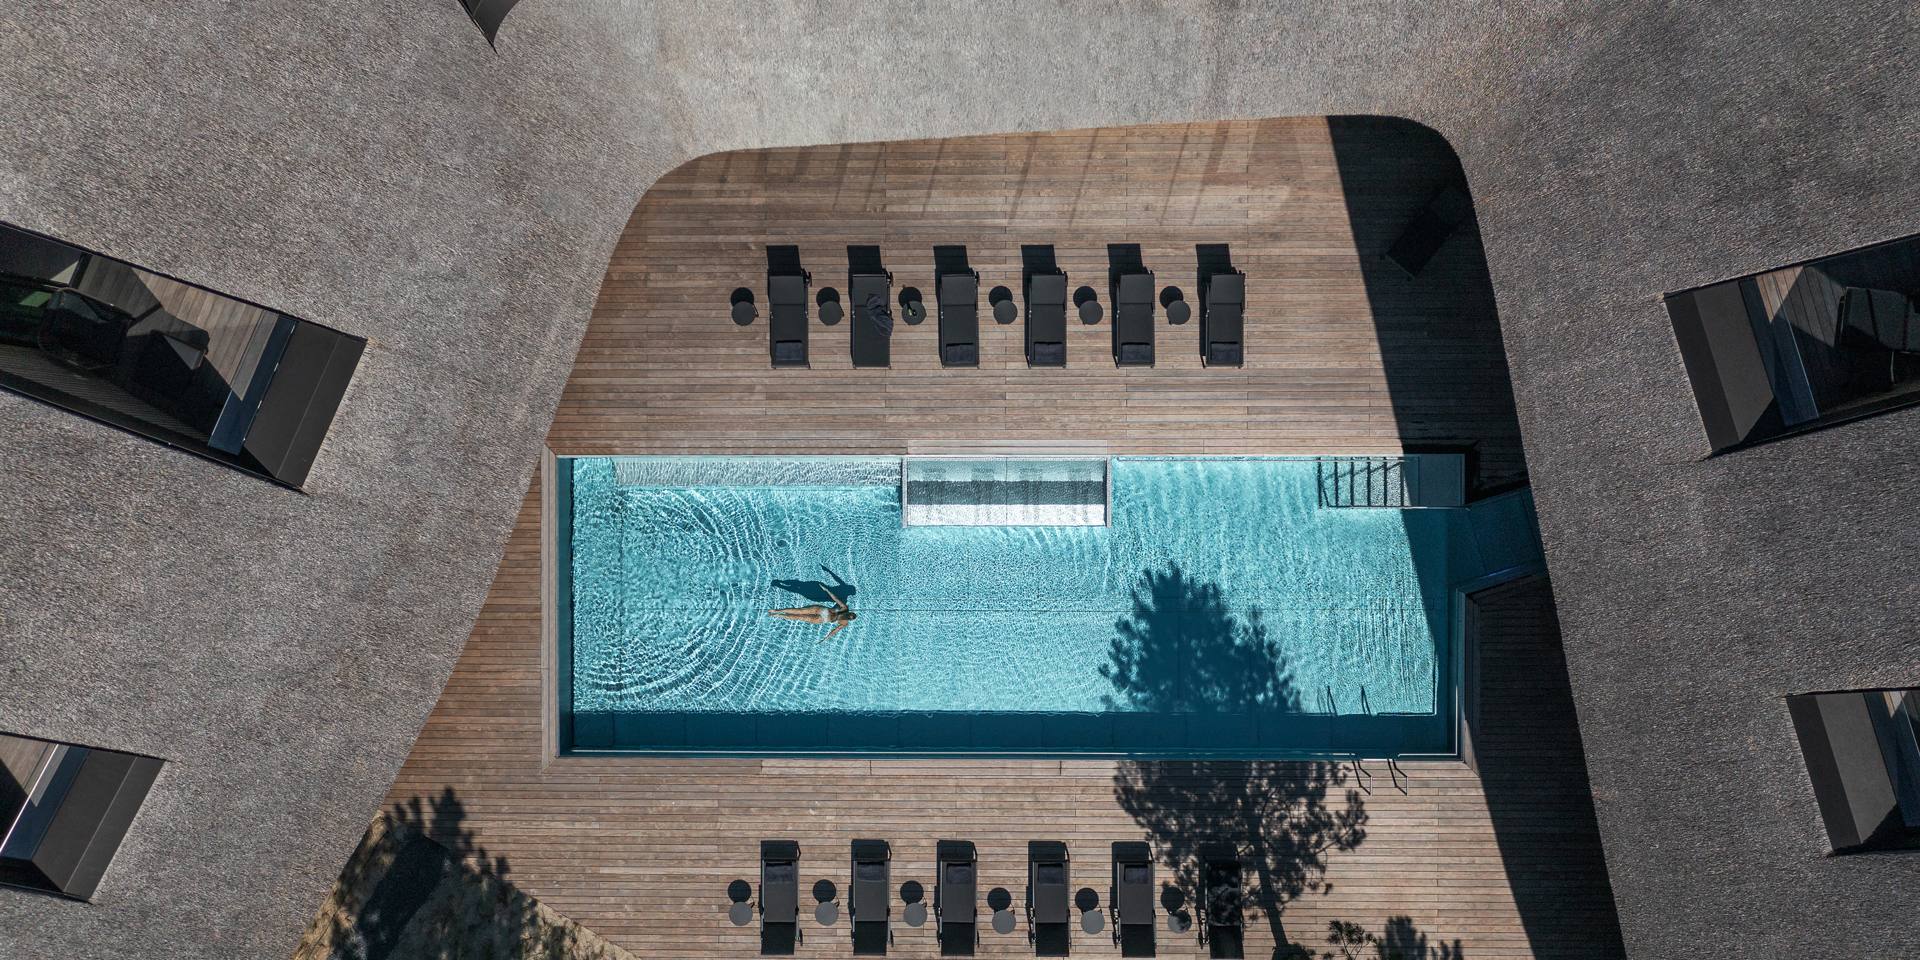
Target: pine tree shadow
[
  {"x": 444, "y": 821},
  {"x": 432, "y": 842},
  {"x": 1183, "y": 649},
  {"x": 1352, "y": 941},
  {"x": 1404, "y": 941},
  {"x": 421, "y": 885}
]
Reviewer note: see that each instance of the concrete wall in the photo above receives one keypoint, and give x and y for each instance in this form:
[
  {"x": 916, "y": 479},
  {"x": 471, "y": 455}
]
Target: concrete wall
[{"x": 375, "y": 167}]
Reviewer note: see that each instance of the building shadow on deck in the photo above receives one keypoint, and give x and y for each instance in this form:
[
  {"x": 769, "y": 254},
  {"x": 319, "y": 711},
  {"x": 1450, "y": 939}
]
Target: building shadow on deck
[
  {"x": 1446, "y": 371},
  {"x": 1184, "y": 649},
  {"x": 1526, "y": 741},
  {"x": 1439, "y": 330}
]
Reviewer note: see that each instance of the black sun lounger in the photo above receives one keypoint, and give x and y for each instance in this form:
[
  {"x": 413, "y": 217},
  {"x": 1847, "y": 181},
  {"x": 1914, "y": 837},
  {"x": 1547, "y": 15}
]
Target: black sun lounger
[
  {"x": 787, "y": 307},
  {"x": 872, "y": 896},
  {"x": 1132, "y": 898},
  {"x": 1222, "y": 927},
  {"x": 1048, "y": 915},
  {"x": 956, "y": 895},
  {"x": 957, "y": 288},
  {"x": 1883, "y": 316},
  {"x": 1429, "y": 229},
  {"x": 1223, "y": 300},
  {"x": 1047, "y": 320},
  {"x": 779, "y": 897},
  {"x": 1132, "y": 297},
  {"x": 866, "y": 277}
]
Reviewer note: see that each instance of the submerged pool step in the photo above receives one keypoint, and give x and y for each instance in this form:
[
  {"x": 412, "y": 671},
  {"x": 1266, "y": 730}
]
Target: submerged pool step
[
  {"x": 1005, "y": 492},
  {"x": 756, "y": 471}
]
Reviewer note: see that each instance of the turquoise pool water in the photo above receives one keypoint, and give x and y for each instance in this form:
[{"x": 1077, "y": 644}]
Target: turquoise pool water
[{"x": 1222, "y": 610}]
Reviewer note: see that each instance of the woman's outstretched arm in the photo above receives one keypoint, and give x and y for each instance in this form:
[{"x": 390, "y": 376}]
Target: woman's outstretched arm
[{"x": 842, "y": 625}]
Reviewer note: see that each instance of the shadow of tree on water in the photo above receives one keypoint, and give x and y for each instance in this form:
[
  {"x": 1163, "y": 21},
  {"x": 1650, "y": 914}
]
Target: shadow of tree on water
[{"x": 1183, "y": 649}]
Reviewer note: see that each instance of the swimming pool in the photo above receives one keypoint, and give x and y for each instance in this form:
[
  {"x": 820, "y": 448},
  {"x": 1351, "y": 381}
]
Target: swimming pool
[{"x": 1221, "y": 610}]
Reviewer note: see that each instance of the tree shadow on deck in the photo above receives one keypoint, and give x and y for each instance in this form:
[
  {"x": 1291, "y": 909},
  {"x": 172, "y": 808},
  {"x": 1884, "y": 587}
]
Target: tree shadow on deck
[
  {"x": 1183, "y": 649},
  {"x": 443, "y": 820},
  {"x": 432, "y": 840},
  {"x": 1401, "y": 941},
  {"x": 1404, "y": 941},
  {"x": 421, "y": 885},
  {"x": 1446, "y": 368}
]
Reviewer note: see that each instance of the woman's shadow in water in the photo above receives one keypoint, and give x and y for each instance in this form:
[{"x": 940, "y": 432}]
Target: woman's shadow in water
[{"x": 816, "y": 591}]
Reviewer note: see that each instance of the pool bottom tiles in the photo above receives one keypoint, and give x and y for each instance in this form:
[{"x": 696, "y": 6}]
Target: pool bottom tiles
[{"x": 1220, "y": 612}]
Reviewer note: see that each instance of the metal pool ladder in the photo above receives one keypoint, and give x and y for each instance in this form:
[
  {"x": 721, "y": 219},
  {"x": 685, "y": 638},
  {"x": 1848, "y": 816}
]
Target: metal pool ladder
[{"x": 1402, "y": 483}]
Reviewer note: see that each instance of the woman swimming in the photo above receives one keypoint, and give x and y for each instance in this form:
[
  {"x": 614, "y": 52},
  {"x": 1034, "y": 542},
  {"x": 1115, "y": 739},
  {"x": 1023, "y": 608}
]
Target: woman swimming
[{"x": 838, "y": 615}]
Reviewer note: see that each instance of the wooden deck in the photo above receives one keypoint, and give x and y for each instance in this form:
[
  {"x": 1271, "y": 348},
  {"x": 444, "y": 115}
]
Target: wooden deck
[
  {"x": 1341, "y": 357},
  {"x": 1502, "y": 863}
]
